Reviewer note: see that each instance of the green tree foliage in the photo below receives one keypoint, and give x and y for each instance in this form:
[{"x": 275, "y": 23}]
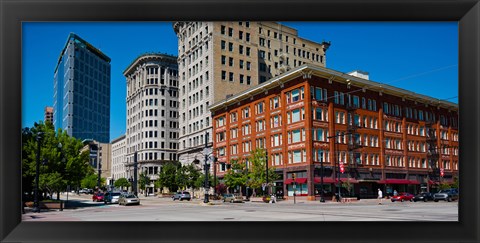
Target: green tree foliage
[
  {"x": 89, "y": 181},
  {"x": 167, "y": 177},
  {"x": 236, "y": 176},
  {"x": 143, "y": 181},
  {"x": 257, "y": 170},
  {"x": 122, "y": 183},
  {"x": 181, "y": 177},
  {"x": 60, "y": 165}
]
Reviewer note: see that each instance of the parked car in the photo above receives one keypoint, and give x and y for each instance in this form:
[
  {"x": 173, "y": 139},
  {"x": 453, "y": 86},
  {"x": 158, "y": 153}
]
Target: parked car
[
  {"x": 127, "y": 199},
  {"x": 84, "y": 191},
  {"x": 424, "y": 196},
  {"x": 228, "y": 197},
  {"x": 111, "y": 197},
  {"x": 402, "y": 196},
  {"x": 446, "y": 195},
  {"x": 98, "y": 197},
  {"x": 182, "y": 196}
]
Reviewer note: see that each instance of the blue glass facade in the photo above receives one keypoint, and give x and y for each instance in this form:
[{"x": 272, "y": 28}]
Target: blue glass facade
[{"x": 82, "y": 91}]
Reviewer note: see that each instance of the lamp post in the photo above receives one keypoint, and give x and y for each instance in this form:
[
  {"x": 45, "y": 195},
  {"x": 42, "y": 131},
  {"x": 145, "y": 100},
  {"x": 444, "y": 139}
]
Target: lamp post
[
  {"x": 246, "y": 169},
  {"x": 206, "y": 168},
  {"x": 266, "y": 170},
  {"x": 36, "y": 207},
  {"x": 337, "y": 160},
  {"x": 322, "y": 199}
]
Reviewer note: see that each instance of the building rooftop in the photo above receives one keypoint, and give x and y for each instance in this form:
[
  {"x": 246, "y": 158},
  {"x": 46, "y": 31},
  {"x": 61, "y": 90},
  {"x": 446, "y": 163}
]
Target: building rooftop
[
  {"x": 330, "y": 74},
  {"x": 87, "y": 45},
  {"x": 149, "y": 55}
]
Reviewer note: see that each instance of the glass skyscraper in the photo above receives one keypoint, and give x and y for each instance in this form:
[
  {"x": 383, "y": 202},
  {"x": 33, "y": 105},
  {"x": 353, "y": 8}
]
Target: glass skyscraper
[{"x": 82, "y": 91}]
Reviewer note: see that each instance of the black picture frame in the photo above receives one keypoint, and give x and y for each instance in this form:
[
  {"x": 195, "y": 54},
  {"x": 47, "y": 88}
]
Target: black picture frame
[{"x": 14, "y": 12}]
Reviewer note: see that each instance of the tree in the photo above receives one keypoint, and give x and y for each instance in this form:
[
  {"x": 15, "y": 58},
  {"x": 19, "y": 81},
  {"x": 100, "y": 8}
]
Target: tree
[
  {"x": 122, "y": 182},
  {"x": 166, "y": 177},
  {"x": 192, "y": 176},
  {"x": 257, "y": 170},
  {"x": 143, "y": 181},
  {"x": 59, "y": 165},
  {"x": 89, "y": 181},
  {"x": 236, "y": 176},
  {"x": 181, "y": 177}
]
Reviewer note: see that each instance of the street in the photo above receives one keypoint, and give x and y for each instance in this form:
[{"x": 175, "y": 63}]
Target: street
[{"x": 165, "y": 209}]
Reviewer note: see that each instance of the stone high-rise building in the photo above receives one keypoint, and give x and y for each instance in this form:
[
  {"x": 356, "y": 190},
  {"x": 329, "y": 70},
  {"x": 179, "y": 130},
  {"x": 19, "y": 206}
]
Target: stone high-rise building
[
  {"x": 152, "y": 113},
  {"x": 219, "y": 59},
  {"x": 81, "y": 103}
]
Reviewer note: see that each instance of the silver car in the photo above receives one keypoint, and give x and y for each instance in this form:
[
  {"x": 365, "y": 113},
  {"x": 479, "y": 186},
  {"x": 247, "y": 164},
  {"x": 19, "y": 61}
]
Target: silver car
[
  {"x": 127, "y": 199},
  {"x": 182, "y": 196},
  {"x": 111, "y": 197}
]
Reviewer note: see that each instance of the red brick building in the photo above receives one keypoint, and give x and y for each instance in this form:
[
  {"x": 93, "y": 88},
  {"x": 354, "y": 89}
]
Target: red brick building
[{"x": 385, "y": 137}]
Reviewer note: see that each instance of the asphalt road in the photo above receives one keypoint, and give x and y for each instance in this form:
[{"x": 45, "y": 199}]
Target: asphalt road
[{"x": 164, "y": 209}]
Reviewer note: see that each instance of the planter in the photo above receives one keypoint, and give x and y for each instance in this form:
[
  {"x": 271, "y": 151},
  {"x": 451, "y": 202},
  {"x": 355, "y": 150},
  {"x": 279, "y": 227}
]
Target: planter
[
  {"x": 48, "y": 205},
  {"x": 52, "y": 205}
]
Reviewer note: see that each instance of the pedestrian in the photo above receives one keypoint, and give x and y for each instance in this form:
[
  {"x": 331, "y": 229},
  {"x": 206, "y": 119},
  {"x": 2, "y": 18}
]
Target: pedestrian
[
  {"x": 395, "y": 193},
  {"x": 380, "y": 196}
]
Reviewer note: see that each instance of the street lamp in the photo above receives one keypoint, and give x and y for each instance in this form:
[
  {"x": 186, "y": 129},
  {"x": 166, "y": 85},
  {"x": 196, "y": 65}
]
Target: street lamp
[
  {"x": 337, "y": 160},
  {"x": 36, "y": 207},
  {"x": 322, "y": 199}
]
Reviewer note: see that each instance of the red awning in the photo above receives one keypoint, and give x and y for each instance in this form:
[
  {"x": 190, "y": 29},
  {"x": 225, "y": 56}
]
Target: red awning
[
  {"x": 297, "y": 180},
  {"x": 432, "y": 182},
  {"x": 395, "y": 181},
  {"x": 414, "y": 182},
  {"x": 331, "y": 180}
]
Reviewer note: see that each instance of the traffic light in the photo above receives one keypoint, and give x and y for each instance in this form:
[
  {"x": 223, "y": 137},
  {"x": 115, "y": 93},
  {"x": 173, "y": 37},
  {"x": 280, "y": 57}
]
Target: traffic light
[
  {"x": 442, "y": 172},
  {"x": 342, "y": 169},
  {"x": 293, "y": 176}
]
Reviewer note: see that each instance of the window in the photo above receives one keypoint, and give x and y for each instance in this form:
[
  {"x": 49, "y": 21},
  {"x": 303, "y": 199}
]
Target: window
[
  {"x": 275, "y": 121},
  {"x": 321, "y": 114},
  {"x": 230, "y": 46},
  {"x": 260, "y": 125},
  {"x": 222, "y": 29},
  {"x": 246, "y": 129},
  {"x": 224, "y": 60},
  {"x": 295, "y": 136},
  {"x": 320, "y": 94},
  {"x": 275, "y": 102},
  {"x": 223, "y": 44},
  {"x": 246, "y": 112},
  {"x": 233, "y": 133},
  {"x": 230, "y": 76},
  {"x": 224, "y": 75},
  {"x": 276, "y": 140},
  {"x": 221, "y": 121},
  {"x": 295, "y": 115},
  {"x": 320, "y": 134},
  {"x": 233, "y": 117},
  {"x": 260, "y": 107}
]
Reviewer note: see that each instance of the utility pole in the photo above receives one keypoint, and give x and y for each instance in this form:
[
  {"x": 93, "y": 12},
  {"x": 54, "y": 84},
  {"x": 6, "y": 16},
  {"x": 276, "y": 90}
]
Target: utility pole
[
  {"x": 205, "y": 200},
  {"x": 135, "y": 164}
]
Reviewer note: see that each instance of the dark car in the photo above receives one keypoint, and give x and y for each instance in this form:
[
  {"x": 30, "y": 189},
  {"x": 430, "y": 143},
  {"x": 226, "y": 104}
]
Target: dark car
[
  {"x": 182, "y": 196},
  {"x": 403, "y": 196},
  {"x": 424, "y": 196},
  {"x": 98, "y": 197},
  {"x": 446, "y": 195}
]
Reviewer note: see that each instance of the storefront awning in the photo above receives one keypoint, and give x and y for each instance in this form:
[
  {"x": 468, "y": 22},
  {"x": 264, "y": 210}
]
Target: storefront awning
[
  {"x": 331, "y": 180},
  {"x": 397, "y": 181},
  {"x": 297, "y": 180}
]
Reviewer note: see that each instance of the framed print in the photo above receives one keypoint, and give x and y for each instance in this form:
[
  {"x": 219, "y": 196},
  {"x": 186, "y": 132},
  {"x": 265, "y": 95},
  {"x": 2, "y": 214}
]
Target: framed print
[{"x": 16, "y": 14}]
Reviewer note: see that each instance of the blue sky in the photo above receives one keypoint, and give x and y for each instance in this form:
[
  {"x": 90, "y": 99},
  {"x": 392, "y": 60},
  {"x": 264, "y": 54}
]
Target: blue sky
[{"x": 418, "y": 56}]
